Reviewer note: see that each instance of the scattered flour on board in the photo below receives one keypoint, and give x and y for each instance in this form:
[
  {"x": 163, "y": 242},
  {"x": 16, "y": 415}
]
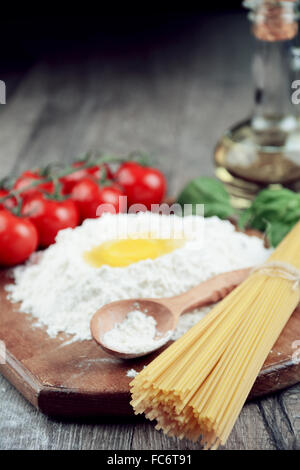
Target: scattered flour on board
[
  {"x": 62, "y": 291},
  {"x": 132, "y": 373}
]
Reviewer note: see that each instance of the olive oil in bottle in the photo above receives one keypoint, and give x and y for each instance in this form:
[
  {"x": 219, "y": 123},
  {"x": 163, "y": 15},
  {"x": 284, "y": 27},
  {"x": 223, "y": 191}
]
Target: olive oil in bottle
[{"x": 264, "y": 150}]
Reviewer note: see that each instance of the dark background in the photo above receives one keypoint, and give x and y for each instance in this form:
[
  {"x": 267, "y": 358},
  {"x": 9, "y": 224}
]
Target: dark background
[{"x": 30, "y": 31}]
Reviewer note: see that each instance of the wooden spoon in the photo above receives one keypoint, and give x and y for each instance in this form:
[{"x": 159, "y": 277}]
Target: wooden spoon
[{"x": 166, "y": 311}]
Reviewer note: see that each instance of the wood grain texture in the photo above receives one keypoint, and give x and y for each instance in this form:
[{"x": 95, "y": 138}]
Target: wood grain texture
[{"x": 172, "y": 97}]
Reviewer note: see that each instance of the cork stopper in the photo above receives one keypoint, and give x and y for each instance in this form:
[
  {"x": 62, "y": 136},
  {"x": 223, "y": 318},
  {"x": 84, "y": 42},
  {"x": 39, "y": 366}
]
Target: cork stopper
[{"x": 273, "y": 20}]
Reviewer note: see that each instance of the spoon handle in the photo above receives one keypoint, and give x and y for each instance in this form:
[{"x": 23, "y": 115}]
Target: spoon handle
[{"x": 207, "y": 292}]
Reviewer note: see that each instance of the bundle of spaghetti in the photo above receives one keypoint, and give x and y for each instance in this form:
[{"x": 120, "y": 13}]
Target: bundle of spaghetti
[{"x": 196, "y": 388}]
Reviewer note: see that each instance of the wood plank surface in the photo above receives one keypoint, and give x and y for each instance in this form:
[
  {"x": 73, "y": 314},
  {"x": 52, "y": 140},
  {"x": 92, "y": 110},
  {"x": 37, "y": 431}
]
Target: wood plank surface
[{"x": 172, "y": 96}]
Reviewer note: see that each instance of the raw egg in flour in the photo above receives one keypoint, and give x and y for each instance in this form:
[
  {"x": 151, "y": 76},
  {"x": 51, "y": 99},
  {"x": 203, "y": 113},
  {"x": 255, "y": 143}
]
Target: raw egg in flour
[{"x": 121, "y": 253}]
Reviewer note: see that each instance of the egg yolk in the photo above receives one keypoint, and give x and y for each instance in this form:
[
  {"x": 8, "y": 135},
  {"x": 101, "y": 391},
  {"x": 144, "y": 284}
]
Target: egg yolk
[{"x": 121, "y": 253}]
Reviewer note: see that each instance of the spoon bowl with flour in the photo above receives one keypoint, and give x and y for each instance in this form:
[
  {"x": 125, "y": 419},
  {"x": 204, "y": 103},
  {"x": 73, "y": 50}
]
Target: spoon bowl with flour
[{"x": 136, "y": 327}]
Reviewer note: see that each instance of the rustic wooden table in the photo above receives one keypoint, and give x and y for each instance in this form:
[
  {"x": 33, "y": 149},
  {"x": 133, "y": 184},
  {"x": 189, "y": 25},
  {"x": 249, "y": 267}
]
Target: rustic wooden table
[{"x": 172, "y": 95}]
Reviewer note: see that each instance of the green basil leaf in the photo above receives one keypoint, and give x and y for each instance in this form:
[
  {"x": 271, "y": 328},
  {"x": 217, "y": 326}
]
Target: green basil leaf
[
  {"x": 276, "y": 232},
  {"x": 209, "y": 192},
  {"x": 274, "y": 211}
]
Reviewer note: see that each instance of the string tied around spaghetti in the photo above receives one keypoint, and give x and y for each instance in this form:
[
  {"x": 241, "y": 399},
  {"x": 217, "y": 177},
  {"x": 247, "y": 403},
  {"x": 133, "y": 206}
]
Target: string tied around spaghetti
[{"x": 280, "y": 269}]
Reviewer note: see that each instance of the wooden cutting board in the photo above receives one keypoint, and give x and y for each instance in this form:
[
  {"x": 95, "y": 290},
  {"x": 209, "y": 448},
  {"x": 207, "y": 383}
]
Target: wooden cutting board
[{"x": 79, "y": 379}]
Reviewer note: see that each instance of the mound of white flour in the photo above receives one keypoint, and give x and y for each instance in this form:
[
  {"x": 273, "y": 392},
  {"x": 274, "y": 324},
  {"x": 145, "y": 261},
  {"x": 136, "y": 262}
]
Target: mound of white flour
[{"x": 62, "y": 291}]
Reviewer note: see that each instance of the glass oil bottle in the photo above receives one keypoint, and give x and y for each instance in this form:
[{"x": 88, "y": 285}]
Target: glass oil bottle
[{"x": 264, "y": 149}]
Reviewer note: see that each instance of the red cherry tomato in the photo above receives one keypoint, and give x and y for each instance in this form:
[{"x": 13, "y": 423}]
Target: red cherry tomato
[
  {"x": 50, "y": 216},
  {"x": 26, "y": 179},
  {"x": 18, "y": 239},
  {"x": 86, "y": 195},
  {"x": 142, "y": 185},
  {"x": 69, "y": 181},
  {"x": 111, "y": 200},
  {"x": 8, "y": 203}
]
